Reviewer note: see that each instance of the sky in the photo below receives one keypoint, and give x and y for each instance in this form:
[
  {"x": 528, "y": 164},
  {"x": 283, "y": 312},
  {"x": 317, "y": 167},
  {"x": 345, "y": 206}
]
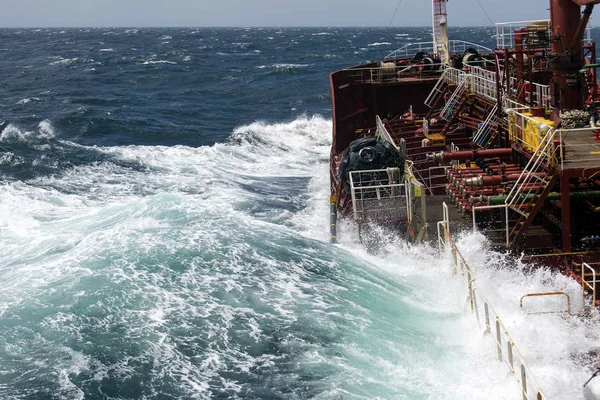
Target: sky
[{"x": 211, "y": 13}]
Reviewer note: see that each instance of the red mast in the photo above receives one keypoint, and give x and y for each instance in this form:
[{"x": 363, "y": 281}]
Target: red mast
[{"x": 567, "y": 29}]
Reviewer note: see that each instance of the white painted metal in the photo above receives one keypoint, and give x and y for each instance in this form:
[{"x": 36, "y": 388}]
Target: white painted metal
[
  {"x": 440, "y": 31},
  {"x": 530, "y": 388}
]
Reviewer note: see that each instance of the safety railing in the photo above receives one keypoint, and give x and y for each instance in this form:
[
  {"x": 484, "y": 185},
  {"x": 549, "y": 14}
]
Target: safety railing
[
  {"x": 454, "y": 99},
  {"x": 580, "y": 146},
  {"x": 454, "y": 75},
  {"x": 533, "y": 135},
  {"x": 567, "y": 297},
  {"x": 484, "y": 132},
  {"x": 433, "y": 175},
  {"x": 483, "y": 82},
  {"x": 506, "y": 348},
  {"x": 390, "y": 73},
  {"x": 588, "y": 272},
  {"x": 534, "y": 94},
  {"x": 540, "y": 96},
  {"x": 538, "y": 36},
  {"x": 418, "y": 203},
  {"x": 437, "y": 89},
  {"x": 454, "y": 46},
  {"x": 379, "y": 194}
]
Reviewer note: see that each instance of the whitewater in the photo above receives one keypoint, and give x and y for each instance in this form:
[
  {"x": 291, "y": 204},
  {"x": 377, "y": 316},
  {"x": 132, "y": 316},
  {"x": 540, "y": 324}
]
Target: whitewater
[
  {"x": 151, "y": 252},
  {"x": 207, "y": 272}
]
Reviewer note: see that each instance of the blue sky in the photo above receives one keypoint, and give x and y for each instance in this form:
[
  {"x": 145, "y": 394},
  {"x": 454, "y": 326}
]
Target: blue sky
[{"x": 65, "y": 13}]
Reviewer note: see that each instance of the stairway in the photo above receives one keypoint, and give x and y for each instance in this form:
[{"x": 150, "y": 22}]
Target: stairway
[
  {"x": 530, "y": 191},
  {"x": 486, "y": 133},
  {"x": 452, "y": 108}
]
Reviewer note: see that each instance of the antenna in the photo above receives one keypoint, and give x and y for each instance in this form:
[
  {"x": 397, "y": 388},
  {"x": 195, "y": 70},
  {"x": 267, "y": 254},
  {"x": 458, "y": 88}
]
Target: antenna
[{"x": 440, "y": 30}]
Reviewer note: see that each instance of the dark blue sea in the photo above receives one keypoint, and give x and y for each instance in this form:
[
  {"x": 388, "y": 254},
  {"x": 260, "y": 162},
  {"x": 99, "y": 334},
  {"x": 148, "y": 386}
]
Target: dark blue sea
[{"x": 164, "y": 231}]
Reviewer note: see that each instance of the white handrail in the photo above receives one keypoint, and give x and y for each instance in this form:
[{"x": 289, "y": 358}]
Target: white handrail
[
  {"x": 453, "y": 100},
  {"x": 455, "y": 47},
  {"x": 585, "y": 283},
  {"x": 544, "y": 156},
  {"x": 482, "y": 136},
  {"x": 483, "y": 82},
  {"x": 379, "y": 194},
  {"x": 510, "y": 355}
]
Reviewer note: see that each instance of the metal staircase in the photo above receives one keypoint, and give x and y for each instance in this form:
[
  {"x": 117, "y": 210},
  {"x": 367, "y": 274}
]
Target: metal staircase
[
  {"x": 534, "y": 185},
  {"x": 439, "y": 89},
  {"x": 449, "y": 109},
  {"x": 487, "y": 131}
]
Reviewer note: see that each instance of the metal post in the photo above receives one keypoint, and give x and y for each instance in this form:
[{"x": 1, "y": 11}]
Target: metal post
[
  {"x": 524, "y": 382},
  {"x": 488, "y": 327},
  {"x": 499, "y": 339},
  {"x": 509, "y": 350}
]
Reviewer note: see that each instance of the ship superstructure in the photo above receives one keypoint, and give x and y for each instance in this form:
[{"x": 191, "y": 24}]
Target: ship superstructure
[{"x": 510, "y": 136}]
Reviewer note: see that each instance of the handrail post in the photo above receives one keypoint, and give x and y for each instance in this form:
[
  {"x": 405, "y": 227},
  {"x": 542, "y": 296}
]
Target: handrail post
[
  {"x": 488, "y": 326},
  {"x": 509, "y": 346},
  {"x": 499, "y": 339},
  {"x": 524, "y": 382}
]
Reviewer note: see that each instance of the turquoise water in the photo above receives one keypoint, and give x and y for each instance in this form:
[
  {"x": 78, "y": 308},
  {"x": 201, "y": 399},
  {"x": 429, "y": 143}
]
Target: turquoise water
[{"x": 172, "y": 241}]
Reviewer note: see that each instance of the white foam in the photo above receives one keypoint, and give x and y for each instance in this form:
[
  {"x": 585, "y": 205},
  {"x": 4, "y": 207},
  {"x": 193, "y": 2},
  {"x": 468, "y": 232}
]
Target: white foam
[
  {"x": 379, "y": 44},
  {"x": 29, "y": 100},
  {"x": 290, "y": 66},
  {"x": 151, "y": 62},
  {"x": 127, "y": 221}
]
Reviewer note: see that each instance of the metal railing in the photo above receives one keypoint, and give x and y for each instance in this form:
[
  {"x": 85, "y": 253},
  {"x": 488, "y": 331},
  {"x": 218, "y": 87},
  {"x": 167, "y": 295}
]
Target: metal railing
[
  {"x": 455, "y": 76},
  {"x": 567, "y": 297},
  {"x": 484, "y": 132},
  {"x": 540, "y": 96},
  {"x": 390, "y": 73},
  {"x": 585, "y": 283},
  {"x": 506, "y": 348},
  {"x": 521, "y": 129},
  {"x": 540, "y": 34},
  {"x": 483, "y": 82},
  {"x": 505, "y": 34},
  {"x": 380, "y": 195},
  {"x": 454, "y": 99},
  {"x": 535, "y": 94},
  {"x": 454, "y": 46},
  {"x": 449, "y": 76},
  {"x": 578, "y": 141},
  {"x": 437, "y": 89}
]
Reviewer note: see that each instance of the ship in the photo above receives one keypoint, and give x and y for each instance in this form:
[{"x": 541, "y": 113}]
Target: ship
[{"x": 447, "y": 135}]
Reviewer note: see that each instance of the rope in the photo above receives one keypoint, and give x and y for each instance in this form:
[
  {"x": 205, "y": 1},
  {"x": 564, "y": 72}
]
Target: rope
[
  {"x": 392, "y": 19},
  {"x": 486, "y": 14}
]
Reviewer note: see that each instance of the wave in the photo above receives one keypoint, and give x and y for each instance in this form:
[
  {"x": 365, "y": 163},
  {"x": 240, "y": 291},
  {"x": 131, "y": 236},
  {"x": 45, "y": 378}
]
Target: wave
[
  {"x": 212, "y": 266},
  {"x": 63, "y": 61},
  {"x": 27, "y": 101},
  {"x": 152, "y": 62}
]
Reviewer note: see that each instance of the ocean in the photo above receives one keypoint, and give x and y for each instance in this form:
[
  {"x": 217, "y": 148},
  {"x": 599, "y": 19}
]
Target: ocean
[{"x": 164, "y": 233}]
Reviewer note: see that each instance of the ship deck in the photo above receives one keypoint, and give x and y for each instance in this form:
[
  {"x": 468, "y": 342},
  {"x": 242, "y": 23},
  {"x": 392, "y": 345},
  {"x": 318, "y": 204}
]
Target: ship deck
[{"x": 581, "y": 149}]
